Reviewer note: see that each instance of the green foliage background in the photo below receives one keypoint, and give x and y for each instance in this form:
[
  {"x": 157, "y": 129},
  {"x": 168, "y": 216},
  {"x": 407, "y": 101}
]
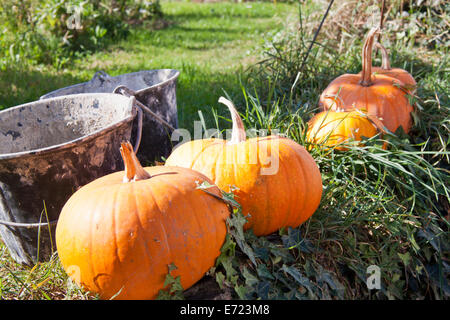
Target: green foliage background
[{"x": 38, "y": 32}]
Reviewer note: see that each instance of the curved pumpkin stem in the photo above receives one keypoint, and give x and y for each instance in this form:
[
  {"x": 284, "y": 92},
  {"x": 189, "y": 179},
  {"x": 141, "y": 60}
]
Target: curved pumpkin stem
[
  {"x": 133, "y": 168},
  {"x": 366, "y": 78},
  {"x": 238, "y": 134},
  {"x": 385, "y": 63}
]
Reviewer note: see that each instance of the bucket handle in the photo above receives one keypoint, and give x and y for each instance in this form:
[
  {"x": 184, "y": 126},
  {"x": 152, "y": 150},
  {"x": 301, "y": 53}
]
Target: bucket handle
[
  {"x": 139, "y": 128},
  {"x": 102, "y": 75},
  {"x": 123, "y": 90}
]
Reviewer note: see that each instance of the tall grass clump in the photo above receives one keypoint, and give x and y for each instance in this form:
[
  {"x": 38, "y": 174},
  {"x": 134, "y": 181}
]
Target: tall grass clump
[{"x": 385, "y": 207}]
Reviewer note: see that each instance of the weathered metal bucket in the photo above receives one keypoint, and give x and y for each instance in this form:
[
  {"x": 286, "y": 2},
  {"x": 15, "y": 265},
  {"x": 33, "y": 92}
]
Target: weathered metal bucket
[
  {"x": 155, "y": 89},
  {"x": 48, "y": 149}
]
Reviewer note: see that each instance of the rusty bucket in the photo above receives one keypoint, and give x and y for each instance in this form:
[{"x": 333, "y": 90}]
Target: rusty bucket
[
  {"x": 156, "y": 90},
  {"x": 48, "y": 149}
]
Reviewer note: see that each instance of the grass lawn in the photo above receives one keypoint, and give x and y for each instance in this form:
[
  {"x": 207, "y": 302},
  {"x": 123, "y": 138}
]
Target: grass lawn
[{"x": 209, "y": 43}]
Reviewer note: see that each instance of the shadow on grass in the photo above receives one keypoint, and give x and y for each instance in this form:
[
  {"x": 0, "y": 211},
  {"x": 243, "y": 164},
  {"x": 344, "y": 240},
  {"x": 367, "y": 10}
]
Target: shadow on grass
[
  {"x": 197, "y": 89},
  {"x": 223, "y": 11},
  {"x": 18, "y": 86},
  {"x": 181, "y": 37}
]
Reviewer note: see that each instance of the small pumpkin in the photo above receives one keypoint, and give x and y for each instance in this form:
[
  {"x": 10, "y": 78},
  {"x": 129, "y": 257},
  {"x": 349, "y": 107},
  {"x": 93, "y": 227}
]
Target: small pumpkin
[
  {"x": 117, "y": 235},
  {"x": 379, "y": 94},
  {"x": 278, "y": 182},
  {"x": 404, "y": 76},
  {"x": 331, "y": 128}
]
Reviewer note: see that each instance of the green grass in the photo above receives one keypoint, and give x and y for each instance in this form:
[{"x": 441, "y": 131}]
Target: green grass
[
  {"x": 388, "y": 208},
  {"x": 385, "y": 207},
  {"x": 209, "y": 43}
]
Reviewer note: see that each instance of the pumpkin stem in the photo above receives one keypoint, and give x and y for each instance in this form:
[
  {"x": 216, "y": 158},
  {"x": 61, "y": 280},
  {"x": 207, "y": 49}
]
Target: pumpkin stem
[
  {"x": 238, "y": 134},
  {"x": 366, "y": 78},
  {"x": 133, "y": 168},
  {"x": 385, "y": 63}
]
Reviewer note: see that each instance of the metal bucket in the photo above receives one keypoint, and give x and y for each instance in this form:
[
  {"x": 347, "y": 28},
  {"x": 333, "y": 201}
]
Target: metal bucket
[
  {"x": 156, "y": 89},
  {"x": 48, "y": 149}
]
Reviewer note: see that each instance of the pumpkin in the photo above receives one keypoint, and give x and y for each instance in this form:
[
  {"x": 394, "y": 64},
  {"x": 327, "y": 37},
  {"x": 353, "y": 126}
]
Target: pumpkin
[
  {"x": 400, "y": 74},
  {"x": 278, "y": 182},
  {"x": 379, "y": 94},
  {"x": 117, "y": 235},
  {"x": 332, "y": 128}
]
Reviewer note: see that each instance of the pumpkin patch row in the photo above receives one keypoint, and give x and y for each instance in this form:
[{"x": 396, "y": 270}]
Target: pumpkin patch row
[
  {"x": 117, "y": 235},
  {"x": 357, "y": 105}
]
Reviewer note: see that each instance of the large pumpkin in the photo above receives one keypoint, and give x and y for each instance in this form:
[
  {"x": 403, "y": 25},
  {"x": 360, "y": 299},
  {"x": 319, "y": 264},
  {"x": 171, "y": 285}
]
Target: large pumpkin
[
  {"x": 379, "y": 94},
  {"x": 118, "y": 234},
  {"x": 278, "y": 182},
  {"x": 330, "y": 128}
]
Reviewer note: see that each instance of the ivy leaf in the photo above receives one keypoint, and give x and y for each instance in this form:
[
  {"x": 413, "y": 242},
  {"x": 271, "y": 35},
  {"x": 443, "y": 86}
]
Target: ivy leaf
[
  {"x": 236, "y": 224},
  {"x": 241, "y": 291},
  {"x": 292, "y": 239},
  {"x": 264, "y": 272},
  {"x": 281, "y": 254},
  {"x": 250, "y": 279},
  {"x": 333, "y": 283},
  {"x": 173, "y": 290},
  {"x": 298, "y": 277},
  {"x": 229, "y": 269},
  {"x": 406, "y": 258},
  {"x": 220, "y": 279},
  {"x": 262, "y": 253},
  {"x": 262, "y": 289}
]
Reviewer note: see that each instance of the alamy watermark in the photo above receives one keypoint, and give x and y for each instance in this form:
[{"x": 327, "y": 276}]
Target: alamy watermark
[
  {"x": 374, "y": 280},
  {"x": 74, "y": 20}
]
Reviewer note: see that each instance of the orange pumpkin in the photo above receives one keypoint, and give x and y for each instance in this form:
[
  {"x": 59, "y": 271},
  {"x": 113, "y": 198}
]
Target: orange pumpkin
[
  {"x": 118, "y": 234},
  {"x": 331, "y": 128},
  {"x": 378, "y": 94},
  {"x": 404, "y": 76},
  {"x": 278, "y": 182}
]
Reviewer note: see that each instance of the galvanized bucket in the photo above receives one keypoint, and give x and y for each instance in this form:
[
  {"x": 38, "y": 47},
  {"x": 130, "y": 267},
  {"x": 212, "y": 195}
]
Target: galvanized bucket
[
  {"x": 48, "y": 149},
  {"x": 156, "y": 90}
]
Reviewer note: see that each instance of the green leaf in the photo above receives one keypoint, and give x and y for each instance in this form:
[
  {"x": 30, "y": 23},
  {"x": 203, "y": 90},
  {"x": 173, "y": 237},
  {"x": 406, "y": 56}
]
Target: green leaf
[
  {"x": 220, "y": 279},
  {"x": 296, "y": 274},
  {"x": 406, "y": 258},
  {"x": 173, "y": 290},
  {"x": 264, "y": 272},
  {"x": 262, "y": 289},
  {"x": 250, "y": 279},
  {"x": 241, "y": 291}
]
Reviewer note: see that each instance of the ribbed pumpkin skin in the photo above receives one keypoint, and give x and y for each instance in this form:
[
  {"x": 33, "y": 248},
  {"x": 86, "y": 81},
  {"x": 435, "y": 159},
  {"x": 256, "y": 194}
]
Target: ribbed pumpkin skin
[
  {"x": 122, "y": 236},
  {"x": 400, "y": 74},
  {"x": 376, "y": 94},
  {"x": 288, "y": 197},
  {"x": 332, "y": 128},
  {"x": 403, "y": 76},
  {"x": 381, "y": 99}
]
